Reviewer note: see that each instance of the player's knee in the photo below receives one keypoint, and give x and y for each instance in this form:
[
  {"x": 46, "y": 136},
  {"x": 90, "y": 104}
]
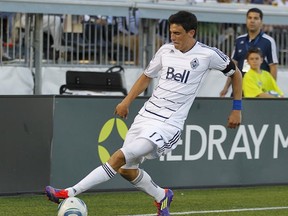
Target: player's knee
[
  {"x": 123, "y": 172},
  {"x": 128, "y": 174},
  {"x": 117, "y": 160}
]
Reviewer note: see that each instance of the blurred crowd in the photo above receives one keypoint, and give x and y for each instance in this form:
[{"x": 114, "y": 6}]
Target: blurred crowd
[{"x": 87, "y": 39}]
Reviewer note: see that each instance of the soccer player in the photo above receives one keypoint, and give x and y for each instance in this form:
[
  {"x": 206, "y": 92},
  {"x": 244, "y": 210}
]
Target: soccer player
[{"x": 182, "y": 66}]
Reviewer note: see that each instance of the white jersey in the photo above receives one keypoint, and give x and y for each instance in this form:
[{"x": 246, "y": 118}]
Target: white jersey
[{"x": 181, "y": 75}]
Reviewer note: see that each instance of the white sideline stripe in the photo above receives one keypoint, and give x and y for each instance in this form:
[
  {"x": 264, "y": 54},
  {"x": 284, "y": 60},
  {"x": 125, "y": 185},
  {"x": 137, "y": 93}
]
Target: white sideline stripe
[{"x": 219, "y": 211}]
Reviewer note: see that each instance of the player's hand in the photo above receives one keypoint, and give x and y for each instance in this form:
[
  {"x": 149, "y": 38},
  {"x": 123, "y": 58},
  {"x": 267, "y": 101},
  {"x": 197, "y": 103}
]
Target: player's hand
[
  {"x": 122, "y": 110},
  {"x": 235, "y": 118},
  {"x": 223, "y": 93}
]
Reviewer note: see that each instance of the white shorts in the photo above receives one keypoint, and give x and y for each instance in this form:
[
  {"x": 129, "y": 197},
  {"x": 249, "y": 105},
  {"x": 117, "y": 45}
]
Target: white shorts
[{"x": 148, "y": 139}]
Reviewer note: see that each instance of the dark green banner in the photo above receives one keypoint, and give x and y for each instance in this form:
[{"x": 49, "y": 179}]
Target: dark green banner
[
  {"x": 86, "y": 132},
  {"x": 25, "y": 140}
]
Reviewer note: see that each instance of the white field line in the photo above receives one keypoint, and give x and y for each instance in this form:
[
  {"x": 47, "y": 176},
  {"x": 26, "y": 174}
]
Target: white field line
[{"x": 220, "y": 211}]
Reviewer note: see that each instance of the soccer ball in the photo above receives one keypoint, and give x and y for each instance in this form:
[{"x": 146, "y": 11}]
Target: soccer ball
[{"x": 72, "y": 206}]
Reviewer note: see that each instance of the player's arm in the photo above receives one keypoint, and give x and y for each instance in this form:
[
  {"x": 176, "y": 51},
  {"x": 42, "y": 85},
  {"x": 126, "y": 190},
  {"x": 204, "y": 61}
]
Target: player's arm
[
  {"x": 224, "y": 91},
  {"x": 227, "y": 85},
  {"x": 273, "y": 70},
  {"x": 266, "y": 95},
  {"x": 122, "y": 109},
  {"x": 235, "y": 117}
]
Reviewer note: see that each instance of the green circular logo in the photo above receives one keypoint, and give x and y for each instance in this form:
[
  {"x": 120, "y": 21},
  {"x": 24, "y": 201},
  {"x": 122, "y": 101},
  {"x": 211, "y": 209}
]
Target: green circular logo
[{"x": 106, "y": 132}]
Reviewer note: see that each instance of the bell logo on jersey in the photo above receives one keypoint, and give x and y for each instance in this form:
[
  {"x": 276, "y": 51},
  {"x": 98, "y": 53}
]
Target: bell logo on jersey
[{"x": 179, "y": 77}]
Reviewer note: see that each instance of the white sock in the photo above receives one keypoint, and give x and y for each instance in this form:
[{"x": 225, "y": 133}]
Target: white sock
[
  {"x": 100, "y": 174},
  {"x": 144, "y": 183}
]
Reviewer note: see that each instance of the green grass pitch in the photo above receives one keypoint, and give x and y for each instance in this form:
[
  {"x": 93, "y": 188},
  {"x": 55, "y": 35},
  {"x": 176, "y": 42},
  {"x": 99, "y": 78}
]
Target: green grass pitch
[{"x": 244, "y": 201}]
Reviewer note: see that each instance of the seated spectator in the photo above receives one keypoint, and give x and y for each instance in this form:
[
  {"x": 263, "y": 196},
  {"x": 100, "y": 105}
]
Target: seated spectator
[
  {"x": 257, "y": 82},
  {"x": 4, "y": 56},
  {"x": 6, "y": 35},
  {"x": 51, "y": 25},
  {"x": 128, "y": 28},
  {"x": 97, "y": 29},
  {"x": 7, "y": 27},
  {"x": 127, "y": 34}
]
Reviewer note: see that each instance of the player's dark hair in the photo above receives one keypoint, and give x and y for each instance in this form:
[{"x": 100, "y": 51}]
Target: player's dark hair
[
  {"x": 184, "y": 18},
  {"x": 255, "y": 10},
  {"x": 254, "y": 50}
]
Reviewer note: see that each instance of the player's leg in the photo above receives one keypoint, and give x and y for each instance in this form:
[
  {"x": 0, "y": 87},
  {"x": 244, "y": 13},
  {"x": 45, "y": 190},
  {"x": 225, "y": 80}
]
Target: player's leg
[
  {"x": 134, "y": 155},
  {"x": 99, "y": 175}
]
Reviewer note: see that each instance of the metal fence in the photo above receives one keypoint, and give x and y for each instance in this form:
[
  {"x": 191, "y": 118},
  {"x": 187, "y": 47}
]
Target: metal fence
[{"x": 98, "y": 40}]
